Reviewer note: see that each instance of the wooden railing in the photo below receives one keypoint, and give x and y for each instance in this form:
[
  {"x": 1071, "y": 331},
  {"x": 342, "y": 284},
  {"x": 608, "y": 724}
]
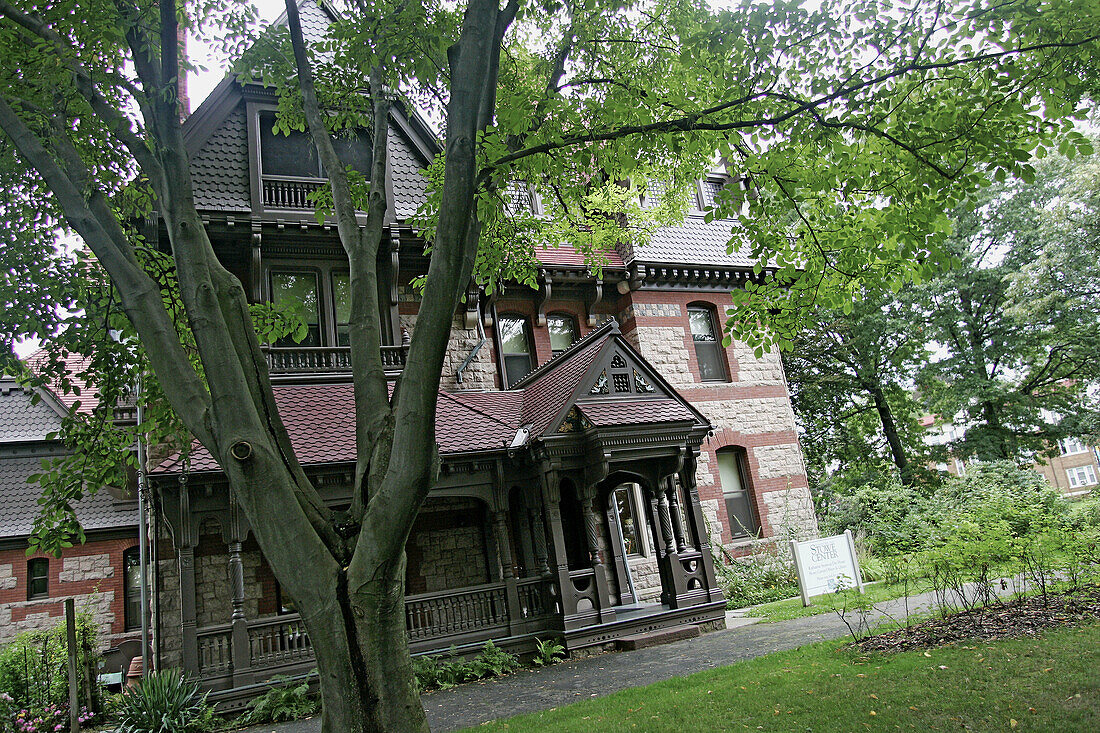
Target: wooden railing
[
  {"x": 280, "y": 640},
  {"x": 215, "y": 651},
  {"x": 481, "y": 611},
  {"x": 283, "y": 360},
  {"x": 460, "y": 611},
  {"x": 289, "y": 193}
]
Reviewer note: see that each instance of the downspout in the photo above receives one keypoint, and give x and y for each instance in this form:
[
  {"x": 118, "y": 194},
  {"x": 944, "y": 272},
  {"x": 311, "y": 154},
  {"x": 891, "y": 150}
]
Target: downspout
[
  {"x": 143, "y": 535},
  {"x": 474, "y": 351}
]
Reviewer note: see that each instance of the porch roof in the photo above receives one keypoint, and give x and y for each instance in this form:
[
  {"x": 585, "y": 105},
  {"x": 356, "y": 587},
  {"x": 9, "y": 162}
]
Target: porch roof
[{"x": 318, "y": 417}]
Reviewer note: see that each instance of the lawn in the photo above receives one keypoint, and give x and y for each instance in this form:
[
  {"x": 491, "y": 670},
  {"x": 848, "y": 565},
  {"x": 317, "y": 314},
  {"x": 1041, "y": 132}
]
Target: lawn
[
  {"x": 793, "y": 608},
  {"x": 1047, "y": 683}
]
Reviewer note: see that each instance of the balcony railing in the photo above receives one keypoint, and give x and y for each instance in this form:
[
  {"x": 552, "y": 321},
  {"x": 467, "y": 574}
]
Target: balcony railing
[
  {"x": 432, "y": 615},
  {"x": 289, "y": 193},
  {"x": 297, "y": 360}
]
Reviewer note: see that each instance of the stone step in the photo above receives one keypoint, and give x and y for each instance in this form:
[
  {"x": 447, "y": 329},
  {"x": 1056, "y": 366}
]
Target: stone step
[{"x": 653, "y": 638}]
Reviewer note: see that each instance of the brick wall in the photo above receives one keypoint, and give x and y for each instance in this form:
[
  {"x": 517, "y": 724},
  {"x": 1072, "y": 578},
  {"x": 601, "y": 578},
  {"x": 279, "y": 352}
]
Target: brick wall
[
  {"x": 751, "y": 410},
  {"x": 91, "y": 573}
]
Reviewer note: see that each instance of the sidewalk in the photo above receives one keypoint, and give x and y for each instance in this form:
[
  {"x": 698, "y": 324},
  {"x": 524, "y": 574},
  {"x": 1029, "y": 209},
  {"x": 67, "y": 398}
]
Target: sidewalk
[{"x": 540, "y": 689}]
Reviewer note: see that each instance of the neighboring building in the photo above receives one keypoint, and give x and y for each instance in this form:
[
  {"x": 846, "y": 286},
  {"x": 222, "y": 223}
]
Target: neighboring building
[
  {"x": 1074, "y": 471},
  {"x": 101, "y": 575},
  {"x": 598, "y": 441}
]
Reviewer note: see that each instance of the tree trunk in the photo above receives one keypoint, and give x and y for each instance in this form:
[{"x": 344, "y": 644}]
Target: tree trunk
[
  {"x": 366, "y": 674},
  {"x": 890, "y": 431}
]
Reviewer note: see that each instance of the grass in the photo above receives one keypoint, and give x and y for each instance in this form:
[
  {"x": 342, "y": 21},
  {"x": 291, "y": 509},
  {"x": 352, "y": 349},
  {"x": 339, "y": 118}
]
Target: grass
[
  {"x": 793, "y": 608},
  {"x": 1046, "y": 683}
]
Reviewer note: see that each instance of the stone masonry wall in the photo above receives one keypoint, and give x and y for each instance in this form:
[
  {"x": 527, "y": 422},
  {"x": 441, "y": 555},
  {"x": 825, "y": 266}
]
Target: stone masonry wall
[
  {"x": 92, "y": 574},
  {"x": 447, "y": 548},
  {"x": 751, "y": 411},
  {"x": 479, "y": 374}
]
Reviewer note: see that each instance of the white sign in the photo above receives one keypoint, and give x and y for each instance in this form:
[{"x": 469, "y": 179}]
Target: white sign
[{"x": 826, "y": 564}]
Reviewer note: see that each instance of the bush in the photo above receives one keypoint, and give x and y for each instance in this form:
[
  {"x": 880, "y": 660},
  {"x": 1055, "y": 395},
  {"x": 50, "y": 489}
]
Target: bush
[
  {"x": 287, "y": 700},
  {"x": 765, "y": 575},
  {"x": 34, "y": 676},
  {"x": 165, "y": 702},
  {"x": 886, "y": 516},
  {"x": 547, "y": 652}
]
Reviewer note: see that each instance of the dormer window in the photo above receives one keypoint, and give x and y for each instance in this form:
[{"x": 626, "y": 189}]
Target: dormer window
[
  {"x": 291, "y": 168},
  {"x": 515, "y": 348},
  {"x": 709, "y": 189}
]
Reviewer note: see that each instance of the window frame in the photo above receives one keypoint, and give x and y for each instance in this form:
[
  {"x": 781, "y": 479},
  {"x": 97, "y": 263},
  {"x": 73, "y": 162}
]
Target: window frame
[
  {"x": 743, "y": 493},
  {"x": 323, "y": 299},
  {"x": 526, "y": 321},
  {"x": 719, "y": 352},
  {"x": 270, "y": 112},
  {"x": 1086, "y": 477},
  {"x": 569, "y": 317},
  {"x": 1065, "y": 444},
  {"x": 129, "y": 623},
  {"x": 33, "y": 575}
]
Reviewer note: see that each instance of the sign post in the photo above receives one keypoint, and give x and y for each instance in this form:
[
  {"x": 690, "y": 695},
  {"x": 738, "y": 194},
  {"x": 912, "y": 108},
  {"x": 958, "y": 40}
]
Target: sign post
[{"x": 826, "y": 564}]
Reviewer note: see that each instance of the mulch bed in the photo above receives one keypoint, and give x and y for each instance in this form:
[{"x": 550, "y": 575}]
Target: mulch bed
[{"x": 1016, "y": 618}]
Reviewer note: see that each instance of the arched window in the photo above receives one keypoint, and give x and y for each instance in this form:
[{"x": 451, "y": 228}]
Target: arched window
[
  {"x": 563, "y": 331},
  {"x": 131, "y": 588},
  {"x": 515, "y": 347},
  {"x": 38, "y": 578},
  {"x": 732, "y": 472},
  {"x": 708, "y": 343}
]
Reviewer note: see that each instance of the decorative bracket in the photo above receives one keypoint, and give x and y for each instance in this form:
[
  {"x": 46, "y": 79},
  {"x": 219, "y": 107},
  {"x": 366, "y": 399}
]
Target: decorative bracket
[
  {"x": 591, "y": 306},
  {"x": 473, "y": 293},
  {"x": 547, "y": 284},
  {"x": 395, "y": 262},
  {"x": 255, "y": 272}
]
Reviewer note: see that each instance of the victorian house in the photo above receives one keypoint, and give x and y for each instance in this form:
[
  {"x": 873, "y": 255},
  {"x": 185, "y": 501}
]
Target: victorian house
[{"x": 599, "y": 443}]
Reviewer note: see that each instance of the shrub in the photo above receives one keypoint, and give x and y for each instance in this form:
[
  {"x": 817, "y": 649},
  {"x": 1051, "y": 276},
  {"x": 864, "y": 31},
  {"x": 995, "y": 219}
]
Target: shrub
[
  {"x": 34, "y": 676},
  {"x": 165, "y": 702},
  {"x": 765, "y": 575},
  {"x": 287, "y": 700}
]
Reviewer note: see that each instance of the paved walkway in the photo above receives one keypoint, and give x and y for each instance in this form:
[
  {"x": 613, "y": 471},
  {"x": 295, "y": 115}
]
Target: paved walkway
[{"x": 540, "y": 689}]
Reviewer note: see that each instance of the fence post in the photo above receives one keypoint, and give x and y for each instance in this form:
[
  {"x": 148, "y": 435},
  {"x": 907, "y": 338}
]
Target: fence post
[{"x": 70, "y": 634}]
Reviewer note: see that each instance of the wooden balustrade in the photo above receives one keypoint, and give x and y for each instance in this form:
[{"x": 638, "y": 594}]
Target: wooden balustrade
[
  {"x": 215, "y": 651},
  {"x": 280, "y": 640},
  {"x": 460, "y": 611},
  {"x": 482, "y": 610},
  {"x": 290, "y": 193},
  {"x": 287, "y": 360}
]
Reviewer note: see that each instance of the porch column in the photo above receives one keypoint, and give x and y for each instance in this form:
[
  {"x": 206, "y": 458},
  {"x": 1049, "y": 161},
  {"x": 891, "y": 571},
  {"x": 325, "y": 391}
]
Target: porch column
[
  {"x": 666, "y": 522},
  {"x": 592, "y": 533},
  {"x": 551, "y": 497},
  {"x": 504, "y": 554},
  {"x": 674, "y": 510},
  {"x": 185, "y": 553},
  {"x": 239, "y": 641},
  {"x": 538, "y": 539},
  {"x": 699, "y": 526}
]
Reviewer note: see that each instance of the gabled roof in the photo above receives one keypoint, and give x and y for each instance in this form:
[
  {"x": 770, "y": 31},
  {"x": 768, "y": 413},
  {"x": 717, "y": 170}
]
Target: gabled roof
[{"x": 24, "y": 418}]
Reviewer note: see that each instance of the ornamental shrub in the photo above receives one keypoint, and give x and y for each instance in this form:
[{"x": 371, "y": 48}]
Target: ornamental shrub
[
  {"x": 165, "y": 702},
  {"x": 286, "y": 700},
  {"x": 34, "y": 672}
]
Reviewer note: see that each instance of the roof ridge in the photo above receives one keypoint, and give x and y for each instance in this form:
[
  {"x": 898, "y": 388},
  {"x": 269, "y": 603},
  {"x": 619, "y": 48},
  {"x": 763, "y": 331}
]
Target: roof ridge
[
  {"x": 608, "y": 326},
  {"x": 473, "y": 408}
]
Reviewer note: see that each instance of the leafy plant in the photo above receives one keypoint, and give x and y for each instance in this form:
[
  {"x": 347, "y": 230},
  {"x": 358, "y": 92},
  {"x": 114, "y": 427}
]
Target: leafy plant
[
  {"x": 165, "y": 702},
  {"x": 33, "y": 667},
  {"x": 288, "y": 699},
  {"x": 441, "y": 672},
  {"x": 547, "y": 652},
  {"x": 493, "y": 662}
]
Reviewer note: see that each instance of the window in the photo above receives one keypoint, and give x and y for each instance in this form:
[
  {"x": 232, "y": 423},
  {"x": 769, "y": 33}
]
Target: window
[
  {"x": 708, "y": 192},
  {"x": 38, "y": 583},
  {"x": 739, "y": 510},
  {"x": 296, "y": 156},
  {"x": 563, "y": 332},
  {"x": 341, "y": 306},
  {"x": 1070, "y": 446},
  {"x": 284, "y": 603},
  {"x": 298, "y": 290},
  {"x": 631, "y": 520},
  {"x": 708, "y": 347},
  {"x": 515, "y": 348},
  {"x": 1081, "y": 476},
  {"x": 131, "y": 588}
]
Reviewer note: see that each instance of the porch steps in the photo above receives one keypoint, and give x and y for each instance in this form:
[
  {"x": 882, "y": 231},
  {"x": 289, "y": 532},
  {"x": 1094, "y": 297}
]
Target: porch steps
[{"x": 654, "y": 638}]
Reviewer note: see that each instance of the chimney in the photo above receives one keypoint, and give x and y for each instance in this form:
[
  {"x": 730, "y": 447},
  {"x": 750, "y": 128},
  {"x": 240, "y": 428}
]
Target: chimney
[{"x": 182, "y": 99}]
